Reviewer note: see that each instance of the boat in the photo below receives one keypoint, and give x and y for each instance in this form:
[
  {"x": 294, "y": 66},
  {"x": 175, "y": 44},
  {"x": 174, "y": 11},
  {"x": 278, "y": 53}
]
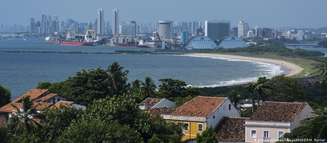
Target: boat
[{"x": 89, "y": 39}]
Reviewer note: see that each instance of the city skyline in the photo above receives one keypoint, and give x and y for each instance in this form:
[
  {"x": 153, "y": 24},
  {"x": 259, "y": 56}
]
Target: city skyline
[{"x": 302, "y": 14}]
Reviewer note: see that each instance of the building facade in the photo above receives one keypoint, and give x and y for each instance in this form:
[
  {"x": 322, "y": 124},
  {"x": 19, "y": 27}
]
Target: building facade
[
  {"x": 242, "y": 29},
  {"x": 165, "y": 30},
  {"x": 217, "y": 30},
  {"x": 273, "y": 119},
  {"x": 201, "y": 113},
  {"x": 116, "y": 22},
  {"x": 100, "y": 23}
]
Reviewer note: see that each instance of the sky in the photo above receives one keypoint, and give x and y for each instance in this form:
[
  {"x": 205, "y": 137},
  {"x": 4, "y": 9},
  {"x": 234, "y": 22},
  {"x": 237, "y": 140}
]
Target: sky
[{"x": 267, "y": 13}]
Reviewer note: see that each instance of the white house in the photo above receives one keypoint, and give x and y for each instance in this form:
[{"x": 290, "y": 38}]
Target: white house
[{"x": 273, "y": 119}]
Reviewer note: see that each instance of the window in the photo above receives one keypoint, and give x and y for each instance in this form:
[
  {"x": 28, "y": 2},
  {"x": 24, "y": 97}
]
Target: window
[
  {"x": 185, "y": 126},
  {"x": 229, "y": 106},
  {"x": 280, "y": 134},
  {"x": 266, "y": 134},
  {"x": 200, "y": 127},
  {"x": 253, "y": 133}
]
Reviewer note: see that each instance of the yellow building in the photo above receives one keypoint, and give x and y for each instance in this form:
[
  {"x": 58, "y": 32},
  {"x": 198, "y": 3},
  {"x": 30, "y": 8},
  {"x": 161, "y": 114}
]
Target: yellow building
[{"x": 200, "y": 113}]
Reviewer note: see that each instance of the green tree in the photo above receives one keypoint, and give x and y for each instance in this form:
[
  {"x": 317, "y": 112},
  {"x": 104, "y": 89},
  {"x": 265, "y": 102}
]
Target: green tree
[
  {"x": 89, "y": 85},
  {"x": 171, "y": 88},
  {"x": 44, "y": 85},
  {"x": 99, "y": 131},
  {"x": 164, "y": 132},
  {"x": 55, "y": 122},
  {"x": 4, "y": 96},
  {"x": 285, "y": 89},
  {"x": 4, "y": 137},
  {"x": 235, "y": 97},
  {"x": 136, "y": 90},
  {"x": 208, "y": 136},
  {"x": 261, "y": 89},
  {"x": 148, "y": 87},
  {"x": 23, "y": 126},
  {"x": 119, "y": 78},
  {"x": 23, "y": 117}
]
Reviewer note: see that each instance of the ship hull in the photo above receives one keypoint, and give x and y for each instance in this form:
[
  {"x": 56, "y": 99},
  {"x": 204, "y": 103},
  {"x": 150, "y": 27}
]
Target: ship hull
[{"x": 71, "y": 43}]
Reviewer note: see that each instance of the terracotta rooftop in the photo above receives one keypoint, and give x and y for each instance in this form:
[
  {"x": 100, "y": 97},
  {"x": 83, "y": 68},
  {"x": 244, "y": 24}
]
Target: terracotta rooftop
[
  {"x": 231, "y": 130},
  {"x": 8, "y": 108},
  {"x": 200, "y": 106},
  {"x": 278, "y": 111},
  {"x": 47, "y": 97},
  {"x": 149, "y": 102},
  {"x": 37, "y": 96},
  {"x": 62, "y": 104},
  {"x": 35, "y": 93},
  {"x": 159, "y": 111}
]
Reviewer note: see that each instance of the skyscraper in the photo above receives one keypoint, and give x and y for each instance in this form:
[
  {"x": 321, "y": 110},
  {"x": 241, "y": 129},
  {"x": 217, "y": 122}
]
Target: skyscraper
[
  {"x": 100, "y": 23},
  {"x": 44, "y": 25},
  {"x": 116, "y": 23},
  {"x": 217, "y": 30},
  {"x": 242, "y": 29},
  {"x": 164, "y": 29},
  {"x": 33, "y": 26}
]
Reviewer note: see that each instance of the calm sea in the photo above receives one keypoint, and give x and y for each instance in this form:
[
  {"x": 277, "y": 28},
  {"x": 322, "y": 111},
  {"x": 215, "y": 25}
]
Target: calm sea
[{"x": 25, "y": 63}]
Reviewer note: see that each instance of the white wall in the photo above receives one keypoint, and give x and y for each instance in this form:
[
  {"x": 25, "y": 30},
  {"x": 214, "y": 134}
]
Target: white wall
[
  {"x": 223, "y": 111},
  {"x": 307, "y": 112},
  {"x": 273, "y": 134}
]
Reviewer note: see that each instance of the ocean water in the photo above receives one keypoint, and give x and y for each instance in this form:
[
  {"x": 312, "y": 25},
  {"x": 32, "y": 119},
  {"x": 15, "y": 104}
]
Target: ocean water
[{"x": 25, "y": 63}]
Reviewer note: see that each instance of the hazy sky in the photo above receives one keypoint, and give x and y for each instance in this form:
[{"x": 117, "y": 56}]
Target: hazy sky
[{"x": 272, "y": 13}]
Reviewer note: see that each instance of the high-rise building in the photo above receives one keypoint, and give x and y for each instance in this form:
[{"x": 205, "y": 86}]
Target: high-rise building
[
  {"x": 116, "y": 23},
  {"x": 100, "y": 23},
  {"x": 217, "y": 30},
  {"x": 44, "y": 25},
  {"x": 132, "y": 28},
  {"x": 164, "y": 29},
  {"x": 242, "y": 29},
  {"x": 33, "y": 28}
]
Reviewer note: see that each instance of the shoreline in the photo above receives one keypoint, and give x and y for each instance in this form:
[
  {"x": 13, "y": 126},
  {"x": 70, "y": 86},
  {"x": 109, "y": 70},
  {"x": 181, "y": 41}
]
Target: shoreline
[{"x": 291, "y": 68}]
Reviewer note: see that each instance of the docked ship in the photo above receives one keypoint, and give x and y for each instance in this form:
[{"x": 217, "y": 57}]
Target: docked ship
[{"x": 89, "y": 39}]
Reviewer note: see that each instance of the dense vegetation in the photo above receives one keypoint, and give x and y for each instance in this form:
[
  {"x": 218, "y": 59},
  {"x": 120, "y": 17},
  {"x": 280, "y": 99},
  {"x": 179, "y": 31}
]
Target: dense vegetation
[
  {"x": 112, "y": 114},
  {"x": 4, "y": 96}
]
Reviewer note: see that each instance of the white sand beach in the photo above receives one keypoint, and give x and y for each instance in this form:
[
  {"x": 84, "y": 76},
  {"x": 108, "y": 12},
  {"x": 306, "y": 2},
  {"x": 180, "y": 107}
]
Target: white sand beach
[{"x": 292, "y": 69}]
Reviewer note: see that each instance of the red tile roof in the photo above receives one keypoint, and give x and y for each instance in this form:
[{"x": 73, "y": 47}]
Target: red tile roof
[
  {"x": 47, "y": 97},
  {"x": 231, "y": 130},
  {"x": 35, "y": 95},
  {"x": 278, "y": 111},
  {"x": 200, "y": 106},
  {"x": 159, "y": 111},
  {"x": 10, "y": 107},
  {"x": 62, "y": 104}
]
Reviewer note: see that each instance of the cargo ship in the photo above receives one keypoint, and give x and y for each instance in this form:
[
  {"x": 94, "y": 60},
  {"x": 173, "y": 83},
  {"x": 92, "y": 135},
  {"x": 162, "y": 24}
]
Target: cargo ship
[{"x": 89, "y": 39}]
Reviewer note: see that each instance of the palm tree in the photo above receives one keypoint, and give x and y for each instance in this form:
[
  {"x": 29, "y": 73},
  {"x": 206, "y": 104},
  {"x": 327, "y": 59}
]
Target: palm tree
[
  {"x": 23, "y": 118},
  {"x": 149, "y": 87},
  {"x": 260, "y": 89}
]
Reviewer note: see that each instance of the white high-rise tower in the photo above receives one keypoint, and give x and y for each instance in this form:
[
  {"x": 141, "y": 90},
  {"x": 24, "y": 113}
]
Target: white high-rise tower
[
  {"x": 116, "y": 23},
  {"x": 100, "y": 23},
  {"x": 242, "y": 29}
]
